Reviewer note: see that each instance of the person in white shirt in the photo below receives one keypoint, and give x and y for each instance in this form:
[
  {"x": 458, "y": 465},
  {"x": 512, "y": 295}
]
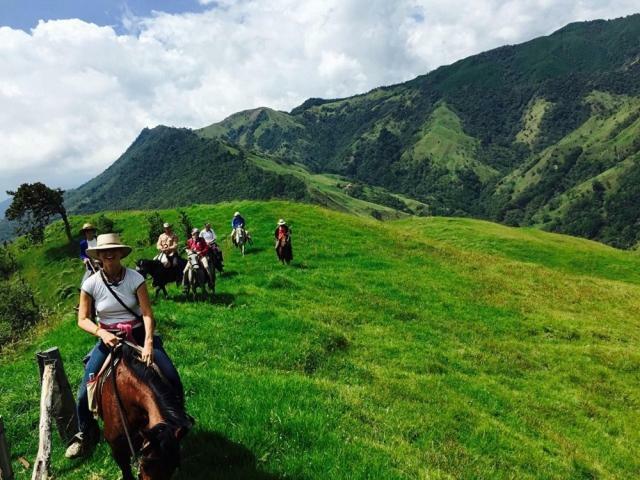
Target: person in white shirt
[
  {"x": 131, "y": 315},
  {"x": 208, "y": 234}
]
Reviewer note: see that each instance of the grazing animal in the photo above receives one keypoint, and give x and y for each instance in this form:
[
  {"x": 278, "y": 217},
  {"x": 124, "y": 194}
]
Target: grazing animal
[
  {"x": 195, "y": 276},
  {"x": 160, "y": 275},
  {"x": 141, "y": 412},
  {"x": 284, "y": 250}
]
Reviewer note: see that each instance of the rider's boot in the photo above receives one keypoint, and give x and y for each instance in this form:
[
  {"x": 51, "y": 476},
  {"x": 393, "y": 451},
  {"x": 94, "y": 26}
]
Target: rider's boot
[{"x": 83, "y": 443}]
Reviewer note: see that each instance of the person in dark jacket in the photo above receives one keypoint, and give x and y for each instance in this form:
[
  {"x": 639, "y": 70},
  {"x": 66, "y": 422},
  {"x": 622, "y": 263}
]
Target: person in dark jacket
[{"x": 89, "y": 241}]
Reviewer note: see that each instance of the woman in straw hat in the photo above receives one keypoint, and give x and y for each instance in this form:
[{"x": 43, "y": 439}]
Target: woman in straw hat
[
  {"x": 88, "y": 231},
  {"x": 133, "y": 318}
]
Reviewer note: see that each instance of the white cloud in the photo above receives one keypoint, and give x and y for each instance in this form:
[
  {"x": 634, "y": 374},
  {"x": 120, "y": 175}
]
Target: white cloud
[{"x": 73, "y": 95}]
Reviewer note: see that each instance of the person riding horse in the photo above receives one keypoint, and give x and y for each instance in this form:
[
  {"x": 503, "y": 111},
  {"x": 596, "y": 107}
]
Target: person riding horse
[
  {"x": 122, "y": 304},
  {"x": 214, "y": 250},
  {"x": 198, "y": 244},
  {"x": 282, "y": 235},
  {"x": 168, "y": 247},
  {"x": 236, "y": 222}
]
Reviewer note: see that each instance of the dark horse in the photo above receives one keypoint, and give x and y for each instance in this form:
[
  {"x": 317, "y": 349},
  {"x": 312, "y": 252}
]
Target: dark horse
[
  {"x": 161, "y": 276},
  {"x": 154, "y": 413},
  {"x": 284, "y": 250}
]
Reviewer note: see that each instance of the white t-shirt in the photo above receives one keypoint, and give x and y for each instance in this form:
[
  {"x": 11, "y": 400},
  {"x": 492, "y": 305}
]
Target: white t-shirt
[
  {"x": 109, "y": 310},
  {"x": 209, "y": 236}
]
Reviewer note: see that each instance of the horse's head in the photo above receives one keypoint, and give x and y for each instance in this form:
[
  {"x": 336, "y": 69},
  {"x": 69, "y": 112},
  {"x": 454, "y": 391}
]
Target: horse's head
[
  {"x": 160, "y": 454},
  {"x": 142, "y": 267}
]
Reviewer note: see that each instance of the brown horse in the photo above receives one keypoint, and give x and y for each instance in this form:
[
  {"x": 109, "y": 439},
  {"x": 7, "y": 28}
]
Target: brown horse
[
  {"x": 284, "y": 250},
  {"x": 155, "y": 420}
]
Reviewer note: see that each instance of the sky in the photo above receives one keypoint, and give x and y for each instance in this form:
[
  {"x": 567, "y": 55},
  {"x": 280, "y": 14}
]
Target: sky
[{"x": 79, "y": 79}]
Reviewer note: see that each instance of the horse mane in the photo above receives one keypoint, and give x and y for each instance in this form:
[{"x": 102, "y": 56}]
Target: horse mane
[{"x": 170, "y": 405}]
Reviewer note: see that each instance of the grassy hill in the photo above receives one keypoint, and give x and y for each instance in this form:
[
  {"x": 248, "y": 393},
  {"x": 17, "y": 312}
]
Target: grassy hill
[{"x": 416, "y": 348}]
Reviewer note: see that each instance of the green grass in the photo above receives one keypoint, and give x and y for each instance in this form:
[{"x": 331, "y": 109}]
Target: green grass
[
  {"x": 443, "y": 140},
  {"x": 531, "y": 120},
  {"x": 419, "y": 348}
]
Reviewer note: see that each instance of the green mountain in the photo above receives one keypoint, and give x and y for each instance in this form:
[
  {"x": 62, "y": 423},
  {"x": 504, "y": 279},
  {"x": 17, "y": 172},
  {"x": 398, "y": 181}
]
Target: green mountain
[
  {"x": 545, "y": 133},
  {"x": 416, "y": 348},
  {"x": 168, "y": 167},
  {"x": 473, "y": 138}
]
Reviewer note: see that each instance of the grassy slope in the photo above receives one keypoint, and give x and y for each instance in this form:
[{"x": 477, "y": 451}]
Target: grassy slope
[
  {"x": 442, "y": 139},
  {"x": 598, "y": 136},
  {"x": 531, "y": 120},
  {"x": 422, "y": 348},
  {"x": 326, "y": 190}
]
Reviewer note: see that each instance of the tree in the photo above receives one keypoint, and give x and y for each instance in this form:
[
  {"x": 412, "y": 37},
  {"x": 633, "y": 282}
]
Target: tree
[
  {"x": 154, "y": 223},
  {"x": 185, "y": 223},
  {"x": 33, "y": 206}
]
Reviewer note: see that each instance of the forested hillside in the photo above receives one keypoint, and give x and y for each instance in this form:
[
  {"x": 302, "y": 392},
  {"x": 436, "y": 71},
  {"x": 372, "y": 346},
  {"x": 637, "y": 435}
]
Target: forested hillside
[{"x": 460, "y": 138}]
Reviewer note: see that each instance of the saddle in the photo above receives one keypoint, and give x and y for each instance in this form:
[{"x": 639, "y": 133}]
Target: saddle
[{"x": 95, "y": 386}]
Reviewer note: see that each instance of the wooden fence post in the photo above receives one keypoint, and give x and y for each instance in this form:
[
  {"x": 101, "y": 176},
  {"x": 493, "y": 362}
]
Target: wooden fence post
[
  {"x": 64, "y": 406},
  {"x": 41, "y": 466},
  {"x": 6, "y": 472}
]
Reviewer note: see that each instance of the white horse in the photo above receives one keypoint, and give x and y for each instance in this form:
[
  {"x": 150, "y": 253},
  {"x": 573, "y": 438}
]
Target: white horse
[
  {"x": 240, "y": 238},
  {"x": 195, "y": 276}
]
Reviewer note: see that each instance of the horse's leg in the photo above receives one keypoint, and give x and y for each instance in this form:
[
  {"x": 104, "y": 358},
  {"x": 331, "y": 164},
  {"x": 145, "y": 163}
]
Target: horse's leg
[
  {"x": 122, "y": 456},
  {"x": 164, "y": 289}
]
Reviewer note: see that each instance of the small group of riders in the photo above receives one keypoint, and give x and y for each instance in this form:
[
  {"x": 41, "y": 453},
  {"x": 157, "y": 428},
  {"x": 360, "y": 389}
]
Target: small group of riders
[{"x": 114, "y": 305}]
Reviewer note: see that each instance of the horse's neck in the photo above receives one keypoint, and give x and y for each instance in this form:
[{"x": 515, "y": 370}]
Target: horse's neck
[{"x": 142, "y": 399}]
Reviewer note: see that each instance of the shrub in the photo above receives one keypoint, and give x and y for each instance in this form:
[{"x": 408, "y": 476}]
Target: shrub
[
  {"x": 104, "y": 224},
  {"x": 185, "y": 223},
  {"x": 154, "y": 222},
  {"x": 18, "y": 309},
  {"x": 8, "y": 263}
]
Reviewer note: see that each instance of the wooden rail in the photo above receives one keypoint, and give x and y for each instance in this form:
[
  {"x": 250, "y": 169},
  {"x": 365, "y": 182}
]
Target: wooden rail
[
  {"x": 41, "y": 466},
  {"x": 64, "y": 406},
  {"x": 6, "y": 472}
]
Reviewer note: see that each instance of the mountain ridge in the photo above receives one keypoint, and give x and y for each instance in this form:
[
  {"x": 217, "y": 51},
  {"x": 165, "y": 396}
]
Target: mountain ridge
[{"x": 456, "y": 138}]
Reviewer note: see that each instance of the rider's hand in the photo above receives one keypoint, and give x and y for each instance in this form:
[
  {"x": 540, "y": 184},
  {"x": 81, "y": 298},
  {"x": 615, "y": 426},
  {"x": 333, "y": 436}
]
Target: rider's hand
[
  {"x": 108, "y": 338},
  {"x": 86, "y": 261},
  {"x": 147, "y": 353}
]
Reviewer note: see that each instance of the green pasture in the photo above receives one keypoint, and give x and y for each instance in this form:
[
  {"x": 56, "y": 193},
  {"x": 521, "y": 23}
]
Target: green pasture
[{"x": 428, "y": 348}]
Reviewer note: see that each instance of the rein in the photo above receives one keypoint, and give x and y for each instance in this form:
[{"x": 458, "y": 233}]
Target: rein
[{"x": 123, "y": 417}]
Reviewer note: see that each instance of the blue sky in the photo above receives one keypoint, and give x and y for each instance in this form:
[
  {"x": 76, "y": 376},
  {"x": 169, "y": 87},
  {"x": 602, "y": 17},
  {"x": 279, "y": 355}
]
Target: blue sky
[
  {"x": 77, "y": 88},
  {"x": 25, "y": 14}
]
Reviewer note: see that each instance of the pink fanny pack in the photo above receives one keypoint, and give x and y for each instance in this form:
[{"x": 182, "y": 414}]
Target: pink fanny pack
[{"x": 125, "y": 327}]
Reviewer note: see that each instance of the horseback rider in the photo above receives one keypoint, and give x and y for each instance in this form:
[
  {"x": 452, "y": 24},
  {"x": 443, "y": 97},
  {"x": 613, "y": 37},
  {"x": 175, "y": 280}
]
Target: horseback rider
[
  {"x": 89, "y": 240},
  {"x": 282, "y": 232},
  {"x": 236, "y": 222},
  {"x": 210, "y": 237},
  {"x": 121, "y": 300},
  {"x": 168, "y": 247},
  {"x": 199, "y": 245}
]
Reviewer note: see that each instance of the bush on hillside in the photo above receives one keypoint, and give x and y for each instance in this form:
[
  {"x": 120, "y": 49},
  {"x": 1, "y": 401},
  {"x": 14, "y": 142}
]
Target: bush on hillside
[
  {"x": 154, "y": 222},
  {"x": 185, "y": 223},
  {"x": 8, "y": 264},
  {"x": 105, "y": 225},
  {"x": 18, "y": 309}
]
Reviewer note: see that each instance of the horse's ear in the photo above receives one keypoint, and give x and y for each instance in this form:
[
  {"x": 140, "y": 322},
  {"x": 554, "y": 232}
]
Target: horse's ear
[{"x": 180, "y": 432}]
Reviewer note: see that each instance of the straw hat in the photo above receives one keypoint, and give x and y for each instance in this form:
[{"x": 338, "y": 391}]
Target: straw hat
[
  {"x": 282, "y": 222},
  {"x": 195, "y": 230},
  {"x": 107, "y": 241},
  {"x": 166, "y": 225},
  {"x": 87, "y": 226},
  {"x": 237, "y": 214}
]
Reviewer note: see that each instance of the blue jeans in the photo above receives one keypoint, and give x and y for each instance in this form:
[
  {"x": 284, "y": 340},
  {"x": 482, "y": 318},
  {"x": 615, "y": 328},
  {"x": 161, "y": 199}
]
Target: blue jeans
[{"x": 98, "y": 355}]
